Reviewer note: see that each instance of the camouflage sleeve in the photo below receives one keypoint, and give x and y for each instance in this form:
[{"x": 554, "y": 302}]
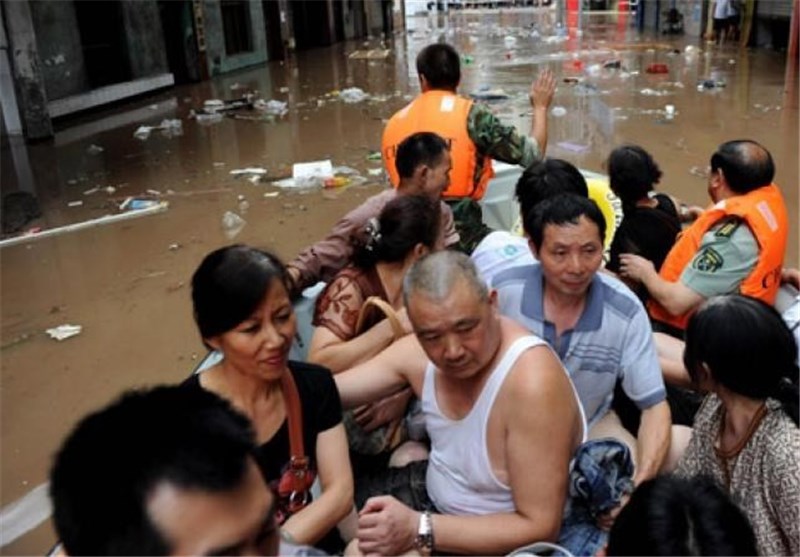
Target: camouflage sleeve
[{"x": 499, "y": 141}]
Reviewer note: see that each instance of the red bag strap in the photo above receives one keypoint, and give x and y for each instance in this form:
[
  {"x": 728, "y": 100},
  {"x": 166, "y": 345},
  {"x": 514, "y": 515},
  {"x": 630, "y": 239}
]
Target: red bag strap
[
  {"x": 298, "y": 472},
  {"x": 294, "y": 415}
]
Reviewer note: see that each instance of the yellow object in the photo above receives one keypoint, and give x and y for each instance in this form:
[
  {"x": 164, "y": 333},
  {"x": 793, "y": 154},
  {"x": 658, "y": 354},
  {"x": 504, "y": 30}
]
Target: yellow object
[
  {"x": 610, "y": 205},
  {"x": 336, "y": 182}
]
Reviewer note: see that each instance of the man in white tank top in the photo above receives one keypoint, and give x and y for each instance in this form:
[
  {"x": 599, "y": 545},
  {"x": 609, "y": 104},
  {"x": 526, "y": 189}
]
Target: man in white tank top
[{"x": 501, "y": 412}]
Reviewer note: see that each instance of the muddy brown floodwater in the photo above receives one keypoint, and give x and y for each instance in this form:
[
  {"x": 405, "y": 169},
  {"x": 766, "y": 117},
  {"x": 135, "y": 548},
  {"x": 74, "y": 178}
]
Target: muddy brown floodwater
[{"x": 126, "y": 284}]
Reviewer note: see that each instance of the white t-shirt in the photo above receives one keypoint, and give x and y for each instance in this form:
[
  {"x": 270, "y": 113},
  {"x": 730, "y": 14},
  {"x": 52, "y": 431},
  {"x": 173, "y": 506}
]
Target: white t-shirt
[{"x": 499, "y": 251}]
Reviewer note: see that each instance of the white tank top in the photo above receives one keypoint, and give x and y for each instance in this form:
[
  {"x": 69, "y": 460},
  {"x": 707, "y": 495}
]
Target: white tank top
[{"x": 460, "y": 480}]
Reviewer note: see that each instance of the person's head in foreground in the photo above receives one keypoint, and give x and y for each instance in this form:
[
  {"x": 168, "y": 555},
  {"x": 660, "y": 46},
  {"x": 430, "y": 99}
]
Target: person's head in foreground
[
  {"x": 423, "y": 164},
  {"x": 738, "y": 167},
  {"x": 566, "y": 235},
  {"x": 166, "y": 471},
  {"x": 742, "y": 345},
  {"x": 238, "y": 291},
  {"x": 545, "y": 179},
  {"x": 453, "y": 313},
  {"x": 674, "y": 516}
]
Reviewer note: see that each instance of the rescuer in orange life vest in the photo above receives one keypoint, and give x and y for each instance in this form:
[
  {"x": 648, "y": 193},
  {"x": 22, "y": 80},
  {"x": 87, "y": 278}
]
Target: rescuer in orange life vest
[
  {"x": 736, "y": 245},
  {"x": 474, "y": 134}
]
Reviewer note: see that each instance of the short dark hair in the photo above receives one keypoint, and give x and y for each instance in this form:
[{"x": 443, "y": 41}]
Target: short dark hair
[
  {"x": 734, "y": 335},
  {"x": 440, "y": 64},
  {"x": 747, "y": 165},
  {"x": 404, "y": 222},
  {"x": 417, "y": 149},
  {"x": 668, "y": 515},
  {"x": 111, "y": 462},
  {"x": 631, "y": 173},
  {"x": 559, "y": 210},
  {"x": 229, "y": 284},
  {"x": 544, "y": 179}
]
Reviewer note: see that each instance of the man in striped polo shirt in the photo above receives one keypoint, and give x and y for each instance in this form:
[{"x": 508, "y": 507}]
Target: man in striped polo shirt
[{"x": 596, "y": 325}]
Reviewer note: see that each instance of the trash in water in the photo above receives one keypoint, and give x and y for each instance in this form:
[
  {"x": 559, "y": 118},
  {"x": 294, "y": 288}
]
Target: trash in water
[
  {"x": 669, "y": 111},
  {"x": 510, "y": 41},
  {"x": 208, "y": 119},
  {"x": 558, "y": 111},
  {"x": 74, "y": 203},
  {"x": 572, "y": 80},
  {"x": 573, "y": 147},
  {"x": 137, "y": 204},
  {"x": 654, "y": 93},
  {"x": 217, "y": 105},
  {"x": 321, "y": 169},
  {"x": 345, "y": 170},
  {"x": 276, "y": 108},
  {"x": 353, "y": 95},
  {"x": 374, "y": 54},
  {"x": 706, "y": 84},
  {"x": 92, "y": 190},
  {"x": 615, "y": 64},
  {"x": 657, "y": 68},
  {"x": 272, "y": 194},
  {"x": 94, "y": 149},
  {"x": 244, "y": 205},
  {"x": 143, "y": 132},
  {"x": 232, "y": 224},
  {"x": 699, "y": 172},
  {"x": 335, "y": 182},
  {"x": 63, "y": 332},
  {"x": 486, "y": 94},
  {"x": 170, "y": 128},
  {"x": 467, "y": 59},
  {"x": 374, "y": 171},
  {"x": 374, "y": 156},
  {"x": 254, "y": 173},
  {"x": 594, "y": 70}
]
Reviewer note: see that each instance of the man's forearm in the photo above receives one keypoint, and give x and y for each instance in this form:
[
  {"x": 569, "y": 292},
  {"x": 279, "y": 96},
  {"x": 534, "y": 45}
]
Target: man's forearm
[
  {"x": 539, "y": 129},
  {"x": 652, "y": 441},
  {"x": 494, "y": 534},
  {"x": 676, "y": 298}
]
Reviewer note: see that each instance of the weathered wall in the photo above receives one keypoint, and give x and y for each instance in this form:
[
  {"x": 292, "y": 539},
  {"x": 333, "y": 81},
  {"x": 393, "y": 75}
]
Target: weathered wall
[
  {"x": 144, "y": 37},
  {"x": 27, "y": 72},
  {"x": 59, "y": 44},
  {"x": 218, "y": 61}
]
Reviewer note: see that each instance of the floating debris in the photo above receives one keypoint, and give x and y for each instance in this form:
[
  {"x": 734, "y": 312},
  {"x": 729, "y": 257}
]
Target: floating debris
[
  {"x": 558, "y": 111},
  {"x": 63, "y": 332},
  {"x": 353, "y": 95},
  {"x": 94, "y": 149}
]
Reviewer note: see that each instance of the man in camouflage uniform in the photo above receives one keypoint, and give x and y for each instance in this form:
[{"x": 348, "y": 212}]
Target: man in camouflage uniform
[{"x": 439, "y": 109}]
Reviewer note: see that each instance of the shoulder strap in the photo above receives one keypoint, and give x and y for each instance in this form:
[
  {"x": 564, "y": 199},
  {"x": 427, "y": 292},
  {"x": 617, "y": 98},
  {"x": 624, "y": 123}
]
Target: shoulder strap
[
  {"x": 294, "y": 416},
  {"x": 298, "y": 476},
  {"x": 387, "y": 310}
]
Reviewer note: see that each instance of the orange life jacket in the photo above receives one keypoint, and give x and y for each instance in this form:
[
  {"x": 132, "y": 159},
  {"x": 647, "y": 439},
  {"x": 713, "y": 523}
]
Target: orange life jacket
[
  {"x": 444, "y": 113},
  {"x": 764, "y": 212}
]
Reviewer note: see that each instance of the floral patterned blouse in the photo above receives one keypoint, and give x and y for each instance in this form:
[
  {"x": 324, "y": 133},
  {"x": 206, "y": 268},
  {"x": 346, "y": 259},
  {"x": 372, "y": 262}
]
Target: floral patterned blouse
[
  {"x": 763, "y": 479},
  {"x": 339, "y": 304}
]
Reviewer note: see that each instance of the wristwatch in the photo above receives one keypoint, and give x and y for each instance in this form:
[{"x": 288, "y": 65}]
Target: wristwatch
[{"x": 424, "y": 540}]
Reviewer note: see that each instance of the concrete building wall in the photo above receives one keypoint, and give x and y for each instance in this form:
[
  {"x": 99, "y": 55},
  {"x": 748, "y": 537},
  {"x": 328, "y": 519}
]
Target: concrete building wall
[
  {"x": 218, "y": 61},
  {"x": 59, "y": 43},
  {"x": 26, "y": 70},
  {"x": 144, "y": 37}
]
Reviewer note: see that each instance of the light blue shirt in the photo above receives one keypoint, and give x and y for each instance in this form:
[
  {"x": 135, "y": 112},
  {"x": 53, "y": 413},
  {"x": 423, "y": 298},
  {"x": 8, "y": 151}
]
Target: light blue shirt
[{"x": 612, "y": 338}]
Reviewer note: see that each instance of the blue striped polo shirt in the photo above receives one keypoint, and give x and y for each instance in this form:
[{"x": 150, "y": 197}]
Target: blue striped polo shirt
[{"x": 612, "y": 338}]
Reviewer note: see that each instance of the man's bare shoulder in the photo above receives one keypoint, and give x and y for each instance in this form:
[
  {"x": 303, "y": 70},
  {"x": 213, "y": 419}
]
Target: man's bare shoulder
[{"x": 537, "y": 373}]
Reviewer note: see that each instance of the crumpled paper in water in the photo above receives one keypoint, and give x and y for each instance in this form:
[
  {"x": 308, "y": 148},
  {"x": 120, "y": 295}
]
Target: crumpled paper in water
[{"x": 63, "y": 332}]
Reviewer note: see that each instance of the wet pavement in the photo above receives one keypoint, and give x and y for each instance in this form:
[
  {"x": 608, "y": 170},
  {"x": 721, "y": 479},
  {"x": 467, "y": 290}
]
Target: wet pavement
[{"x": 126, "y": 284}]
